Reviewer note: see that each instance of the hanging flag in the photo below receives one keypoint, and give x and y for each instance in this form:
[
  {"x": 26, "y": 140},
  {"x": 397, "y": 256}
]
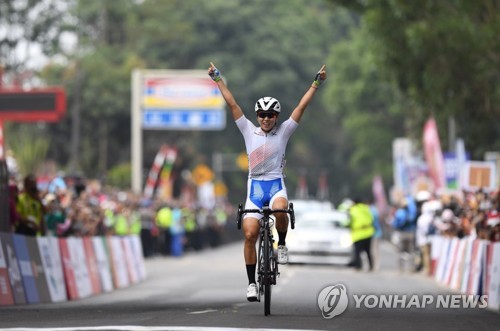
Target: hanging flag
[
  {"x": 379, "y": 195},
  {"x": 302, "y": 191},
  {"x": 433, "y": 154},
  {"x": 323, "y": 192},
  {"x": 163, "y": 163},
  {"x": 166, "y": 180},
  {"x": 461, "y": 156}
]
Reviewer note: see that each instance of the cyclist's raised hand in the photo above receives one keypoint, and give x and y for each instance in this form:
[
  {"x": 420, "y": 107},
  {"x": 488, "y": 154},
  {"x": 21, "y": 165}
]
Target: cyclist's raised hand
[
  {"x": 213, "y": 72},
  {"x": 320, "y": 76}
]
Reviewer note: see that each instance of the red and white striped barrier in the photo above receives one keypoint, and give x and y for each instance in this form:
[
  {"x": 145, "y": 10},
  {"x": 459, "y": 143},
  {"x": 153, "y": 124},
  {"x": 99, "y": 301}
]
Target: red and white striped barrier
[
  {"x": 64, "y": 269},
  {"x": 468, "y": 265}
]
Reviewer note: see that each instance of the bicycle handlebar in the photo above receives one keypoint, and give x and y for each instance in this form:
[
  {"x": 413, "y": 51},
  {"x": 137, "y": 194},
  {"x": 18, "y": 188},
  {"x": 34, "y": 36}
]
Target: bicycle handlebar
[{"x": 267, "y": 211}]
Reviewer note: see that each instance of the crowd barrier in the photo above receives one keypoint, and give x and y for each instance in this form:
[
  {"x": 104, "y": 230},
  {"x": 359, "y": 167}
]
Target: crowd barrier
[
  {"x": 467, "y": 265},
  {"x": 49, "y": 269}
]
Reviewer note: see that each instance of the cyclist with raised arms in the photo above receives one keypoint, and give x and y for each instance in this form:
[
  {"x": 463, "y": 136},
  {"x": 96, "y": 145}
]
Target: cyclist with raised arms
[{"x": 265, "y": 146}]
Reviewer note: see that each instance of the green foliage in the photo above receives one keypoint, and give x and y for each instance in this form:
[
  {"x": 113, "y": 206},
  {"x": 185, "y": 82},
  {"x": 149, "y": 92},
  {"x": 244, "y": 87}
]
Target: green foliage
[
  {"x": 29, "y": 146},
  {"x": 368, "y": 110},
  {"x": 119, "y": 176},
  {"x": 444, "y": 56}
]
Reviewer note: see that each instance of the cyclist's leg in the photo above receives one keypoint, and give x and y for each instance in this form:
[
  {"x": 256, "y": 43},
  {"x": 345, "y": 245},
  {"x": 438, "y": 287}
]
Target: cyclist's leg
[
  {"x": 251, "y": 233},
  {"x": 281, "y": 218},
  {"x": 279, "y": 200}
]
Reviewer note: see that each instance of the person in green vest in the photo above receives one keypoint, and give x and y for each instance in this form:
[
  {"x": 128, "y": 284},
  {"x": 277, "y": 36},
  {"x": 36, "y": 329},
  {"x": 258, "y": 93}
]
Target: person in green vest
[
  {"x": 164, "y": 220},
  {"x": 190, "y": 226},
  {"x": 135, "y": 222},
  {"x": 121, "y": 225},
  {"x": 362, "y": 231},
  {"x": 31, "y": 210}
]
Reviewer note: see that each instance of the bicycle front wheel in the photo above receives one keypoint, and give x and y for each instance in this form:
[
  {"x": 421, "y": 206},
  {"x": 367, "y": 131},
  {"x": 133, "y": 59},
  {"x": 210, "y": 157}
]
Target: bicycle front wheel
[{"x": 267, "y": 279}]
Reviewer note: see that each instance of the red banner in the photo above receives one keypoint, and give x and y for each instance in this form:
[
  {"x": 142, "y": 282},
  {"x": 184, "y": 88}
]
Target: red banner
[
  {"x": 92, "y": 265},
  {"x": 68, "y": 268},
  {"x": 433, "y": 154}
]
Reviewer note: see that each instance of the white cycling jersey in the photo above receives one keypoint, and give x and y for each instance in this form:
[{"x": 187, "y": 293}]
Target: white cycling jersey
[{"x": 266, "y": 151}]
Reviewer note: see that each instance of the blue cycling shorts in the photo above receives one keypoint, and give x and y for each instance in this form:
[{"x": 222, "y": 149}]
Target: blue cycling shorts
[{"x": 263, "y": 193}]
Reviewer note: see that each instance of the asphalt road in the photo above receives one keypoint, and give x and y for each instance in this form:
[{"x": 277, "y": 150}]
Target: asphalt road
[{"x": 206, "y": 291}]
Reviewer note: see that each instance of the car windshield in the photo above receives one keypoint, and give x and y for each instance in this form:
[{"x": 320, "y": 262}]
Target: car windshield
[{"x": 319, "y": 224}]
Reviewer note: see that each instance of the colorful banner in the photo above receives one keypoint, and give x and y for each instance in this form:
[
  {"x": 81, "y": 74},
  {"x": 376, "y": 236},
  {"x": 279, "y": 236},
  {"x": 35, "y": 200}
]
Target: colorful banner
[
  {"x": 443, "y": 260},
  {"x": 433, "y": 154},
  {"x": 15, "y": 278},
  {"x": 51, "y": 260},
  {"x": 380, "y": 197},
  {"x": 92, "y": 267},
  {"x": 69, "y": 269},
  {"x": 181, "y": 92},
  {"x": 479, "y": 175},
  {"x": 24, "y": 261},
  {"x": 118, "y": 263},
  {"x": 103, "y": 264},
  {"x": 452, "y": 258},
  {"x": 77, "y": 254},
  {"x": 130, "y": 260},
  {"x": 477, "y": 263},
  {"x": 139, "y": 257},
  {"x": 458, "y": 268},
  {"x": 6, "y": 298},
  {"x": 160, "y": 174},
  {"x": 467, "y": 265},
  {"x": 494, "y": 275},
  {"x": 38, "y": 270}
]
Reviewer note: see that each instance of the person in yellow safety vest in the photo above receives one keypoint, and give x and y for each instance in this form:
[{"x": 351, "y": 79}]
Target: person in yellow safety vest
[
  {"x": 362, "y": 231},
  {"x": 135, "y": 223},
  {"x": 30, "y": 209},
  {"x": 164, "y": 221},
  {"x": 109, "y": 220},
  {"x": 189, "y": 221},
  {"x": 121, "y": 225}
]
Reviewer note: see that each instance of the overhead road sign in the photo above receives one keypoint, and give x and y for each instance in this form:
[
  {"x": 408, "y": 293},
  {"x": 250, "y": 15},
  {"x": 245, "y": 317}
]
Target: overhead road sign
[
  {"x": 199, "y": 119},
  {"x": 172, "y": 100},
  {"x": 44, "y": 104}
]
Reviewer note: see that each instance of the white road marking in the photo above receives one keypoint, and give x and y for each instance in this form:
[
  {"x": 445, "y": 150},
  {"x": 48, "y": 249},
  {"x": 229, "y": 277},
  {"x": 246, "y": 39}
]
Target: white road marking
[
  {"x": 144, "y": 328},
  {"x": 202, "y": 311}
]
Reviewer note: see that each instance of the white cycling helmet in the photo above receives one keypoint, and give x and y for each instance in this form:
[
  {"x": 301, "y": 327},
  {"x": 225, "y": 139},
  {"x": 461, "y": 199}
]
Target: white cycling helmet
[{"x": 267, "y": 104}]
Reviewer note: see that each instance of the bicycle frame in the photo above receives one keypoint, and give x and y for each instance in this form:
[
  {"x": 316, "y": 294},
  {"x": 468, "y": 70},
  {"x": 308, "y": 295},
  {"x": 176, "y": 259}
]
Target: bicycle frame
[{"x": 267, "y": 269}]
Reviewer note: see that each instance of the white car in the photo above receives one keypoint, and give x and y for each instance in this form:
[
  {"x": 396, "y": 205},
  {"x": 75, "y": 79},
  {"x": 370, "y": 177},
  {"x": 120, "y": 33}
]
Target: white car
[
  {"x": 320, "y": 237},
  {"x": 301, "y": 206}
]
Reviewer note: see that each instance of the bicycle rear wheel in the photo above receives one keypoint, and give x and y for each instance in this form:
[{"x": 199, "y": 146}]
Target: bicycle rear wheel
[{"x": 267, "y": 277}]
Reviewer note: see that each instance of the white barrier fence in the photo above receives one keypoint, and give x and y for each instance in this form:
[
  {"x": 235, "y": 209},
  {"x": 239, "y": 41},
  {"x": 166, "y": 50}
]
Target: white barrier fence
[
  {"x": 468, "y": 265},
  {"x": 50, "y": 269}
]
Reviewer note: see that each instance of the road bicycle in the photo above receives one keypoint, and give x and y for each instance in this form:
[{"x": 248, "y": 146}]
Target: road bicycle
[{"x": 267, "y": 268}]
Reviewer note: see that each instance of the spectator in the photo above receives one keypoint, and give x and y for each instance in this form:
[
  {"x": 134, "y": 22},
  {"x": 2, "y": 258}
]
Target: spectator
[
  {"x": 15, "y": 218},
  {"x": 404, "y": 222},
  {"x": 30, "y": 209},
  {"x": 377, "y": 236},
  {"x": 362, "y": 231},
  {"x": 147, "y": 218},
  {"x": 164, "y": 221},
  {"x": 424, "y": 231},
  {"x": 55, "y": 214}
]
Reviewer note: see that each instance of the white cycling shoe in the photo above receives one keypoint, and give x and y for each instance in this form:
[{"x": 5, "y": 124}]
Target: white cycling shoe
[
  {"x": 252, "y": 292},
  {"x": 282, "y": 254}
]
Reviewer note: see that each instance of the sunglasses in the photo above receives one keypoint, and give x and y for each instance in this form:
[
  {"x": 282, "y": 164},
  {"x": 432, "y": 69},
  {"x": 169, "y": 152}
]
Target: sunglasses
[{"x": 267, "y": 114}]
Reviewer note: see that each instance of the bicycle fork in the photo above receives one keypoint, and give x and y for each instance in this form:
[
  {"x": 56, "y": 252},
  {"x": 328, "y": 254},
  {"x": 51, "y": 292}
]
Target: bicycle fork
[{"x": 273, "y": 272}]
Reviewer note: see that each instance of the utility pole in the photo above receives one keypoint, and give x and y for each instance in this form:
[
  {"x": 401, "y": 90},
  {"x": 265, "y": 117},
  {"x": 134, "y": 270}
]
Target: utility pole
[{"x": 4, "y": 178}]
